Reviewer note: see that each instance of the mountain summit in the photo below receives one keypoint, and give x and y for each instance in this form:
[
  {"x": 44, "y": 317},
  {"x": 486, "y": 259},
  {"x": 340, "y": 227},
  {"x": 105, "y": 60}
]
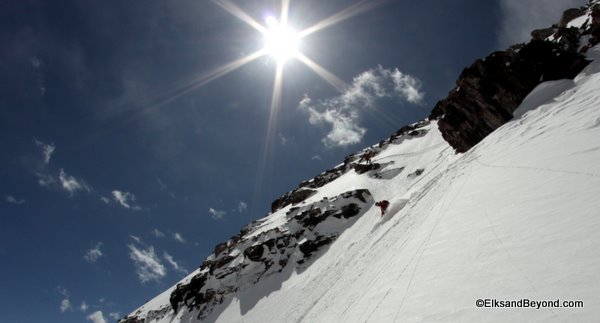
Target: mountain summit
[{"x": 493, "y": 210}]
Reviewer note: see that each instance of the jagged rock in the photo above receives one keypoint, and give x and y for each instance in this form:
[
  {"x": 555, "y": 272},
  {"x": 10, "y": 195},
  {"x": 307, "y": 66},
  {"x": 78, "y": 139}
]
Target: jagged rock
[
  {"x": 293, "y": 197},
  {"x": 310, "y": 246},
  {"x": 325, "y": 177},
  {"x": 254, "y": 253},
  {"x": 363, "y": 168},
  {"x": 490, "y": 90},
  {"x": 542, "y": 34},
  {"x": 250, "y": 258},
  {"x": 569, "y": 15}
]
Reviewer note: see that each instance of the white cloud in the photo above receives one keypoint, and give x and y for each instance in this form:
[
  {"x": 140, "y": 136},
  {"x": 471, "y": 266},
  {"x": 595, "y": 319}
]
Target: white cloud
[
  {"x": 105, "y": 199},
  {"x": 136, "y": 238},
  {"x": 157, "y": 233},
  {"x": 114, "y": 315},
  {"x": 520, "y": 17},
  {"x": 178, "y": 237},
  {"x": 94, "y": 254},
  {"x": 342, "y": 113},
  {"x": 242, "y": 206},
  {"x": 125, "y": 199},
  {"x": 13, "y": 200},
  {"x": 216, "y": 214},
  {"x": 174, "y": 264},
  {"x": 96, "y": 317},
  {"x": 84, "y": 306},
  {"x": 65, "y": 305},
  {"x": 147, "y": 265},
  {"x": 71, "y": 184},
  {"x": 47, "y": 149}
]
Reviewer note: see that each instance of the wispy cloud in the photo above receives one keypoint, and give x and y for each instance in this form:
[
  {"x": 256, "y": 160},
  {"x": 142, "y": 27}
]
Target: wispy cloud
[
  {"x": 71, "y": 184},
  {"x": 242, "y": 206},
  {"x": 45, "y": 180},
  {"x": 13, "y": 200},
  {"x": 216, "y": 214},
  {"x": 173, "y": 263},
  {"x": 105, "y": 199},
  {"x": 47, "y": 150},
  {"x": 65, "y": 305},
  {"x": 93, "y": 254},
  {"x": 519, "y": 18},
  {"x": 125, "y": 199},
  {"x": 96, "y": 317},
  {"x": 147, "y": 265},
  {"x": 84, "y": 306},
  {"x": 178, "y": 237},
  {"x": 342, "y": 113},
  {"x": 136, "y": 238},
  {"x": 316, "y": 157},
  {"x": 157, "y": 233}
]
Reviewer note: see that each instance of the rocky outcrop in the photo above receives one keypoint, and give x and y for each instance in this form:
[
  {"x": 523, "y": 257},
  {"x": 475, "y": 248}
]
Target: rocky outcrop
[
  {"x": 257, "y": 253},
  {"x": 489, "y": 91},
  {"x": 293, "y": 197}
]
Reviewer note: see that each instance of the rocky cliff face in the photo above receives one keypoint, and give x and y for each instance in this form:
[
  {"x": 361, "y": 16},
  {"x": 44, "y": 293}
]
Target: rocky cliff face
[{"x": 487, "y": 92}]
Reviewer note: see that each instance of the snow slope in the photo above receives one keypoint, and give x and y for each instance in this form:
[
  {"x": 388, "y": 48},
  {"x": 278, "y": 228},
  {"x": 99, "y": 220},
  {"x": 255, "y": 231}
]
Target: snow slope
[{"x": 516, "y": 217}]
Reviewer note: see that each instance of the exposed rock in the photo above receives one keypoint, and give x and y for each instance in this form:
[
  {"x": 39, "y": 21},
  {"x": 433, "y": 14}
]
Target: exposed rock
[
  {"x": 363, "y": 168},
  {"x": 569, "y": 15},
  {"x": 542, "y": 34},
  {"x": 490, "y": 90},
  {"x": 310, "y": 246},
  {"x": 293, "y": 197},
  {"x": 250, "y": 258},
  {"x": 254, "y": 253}
]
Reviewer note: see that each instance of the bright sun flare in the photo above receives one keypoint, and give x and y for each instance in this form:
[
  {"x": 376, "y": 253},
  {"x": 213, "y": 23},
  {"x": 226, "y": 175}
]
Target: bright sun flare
[{"x": 280, "y": 41}]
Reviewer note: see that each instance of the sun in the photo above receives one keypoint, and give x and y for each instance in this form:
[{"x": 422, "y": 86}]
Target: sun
[{"x": 280, "y": 41}]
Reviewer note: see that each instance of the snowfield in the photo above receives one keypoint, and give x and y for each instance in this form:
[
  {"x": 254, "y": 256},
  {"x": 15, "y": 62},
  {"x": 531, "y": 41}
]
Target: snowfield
[{"x": 516, "y": 217}]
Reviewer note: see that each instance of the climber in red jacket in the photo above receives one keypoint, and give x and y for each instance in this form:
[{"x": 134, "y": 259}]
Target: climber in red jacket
[
  {"x": 383, "y": 205},
  {"x": 366, "y": 157}
]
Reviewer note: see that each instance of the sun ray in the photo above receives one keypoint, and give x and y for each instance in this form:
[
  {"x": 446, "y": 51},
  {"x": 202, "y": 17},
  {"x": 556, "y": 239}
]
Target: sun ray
[
  {"x": 211, "y": 76},
  {"x": 285, "y": 9},
  {"x": 271, "y": 128},
  {"x": 329, "y": 77},
  {"x": 241, "y": 14},
  {"x": 358, "y": 8}
]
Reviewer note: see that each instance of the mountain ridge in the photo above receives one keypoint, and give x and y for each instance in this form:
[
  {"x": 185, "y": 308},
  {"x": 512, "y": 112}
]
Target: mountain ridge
[{"x": 472, "y": 111}]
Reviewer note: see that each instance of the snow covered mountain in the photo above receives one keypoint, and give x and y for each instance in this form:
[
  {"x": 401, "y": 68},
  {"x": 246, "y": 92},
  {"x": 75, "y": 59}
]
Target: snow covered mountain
[{"x": 511, "y": 220}]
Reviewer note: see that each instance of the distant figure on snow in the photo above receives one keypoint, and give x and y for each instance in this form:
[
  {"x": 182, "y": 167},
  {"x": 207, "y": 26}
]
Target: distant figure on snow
[
  {"x": 366, "y": 157},
  {"x": 383, "y": 205}
]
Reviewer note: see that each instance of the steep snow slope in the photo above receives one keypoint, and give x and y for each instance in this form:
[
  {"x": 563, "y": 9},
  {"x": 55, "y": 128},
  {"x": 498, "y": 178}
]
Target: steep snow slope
[{"x": 516, "y": 217}]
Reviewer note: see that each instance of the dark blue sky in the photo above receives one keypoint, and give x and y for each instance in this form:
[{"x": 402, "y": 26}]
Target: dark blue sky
[{"x": 115, "y": 181}]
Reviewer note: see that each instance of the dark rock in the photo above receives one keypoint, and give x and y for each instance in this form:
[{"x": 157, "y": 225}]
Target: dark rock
[
  {"x": 310, "y": 246},
  {"x": 570, "y": 14},
  {"x": 293, "y": 197},
  {"x": 220, "y": 263},
  {"x": 254, "y": 253},
  {"x": 542, "y": 34},
  {"x": 132, "y": 319},
  {"x": 490, "y": 90},
  {"x": 350, "y": 210},
  {"x": 220, "y": 248},
  {"x": 363, "y": 168}
]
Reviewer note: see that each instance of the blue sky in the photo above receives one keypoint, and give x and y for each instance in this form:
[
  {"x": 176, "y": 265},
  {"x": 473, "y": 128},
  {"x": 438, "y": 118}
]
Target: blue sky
[{"x": 126, "y": 155}]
